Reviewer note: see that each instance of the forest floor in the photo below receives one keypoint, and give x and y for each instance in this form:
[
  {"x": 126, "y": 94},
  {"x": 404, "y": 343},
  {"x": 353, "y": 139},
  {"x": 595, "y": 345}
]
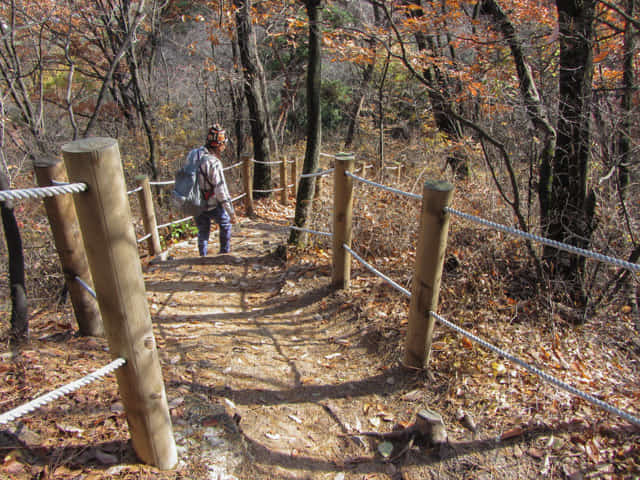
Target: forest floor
[{"x": 271, "y": 374}]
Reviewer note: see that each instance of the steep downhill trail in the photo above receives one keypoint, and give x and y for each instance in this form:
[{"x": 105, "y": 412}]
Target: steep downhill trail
[
  {"x": 272, "y": 374},
  {"x": 269, "y": 372}
]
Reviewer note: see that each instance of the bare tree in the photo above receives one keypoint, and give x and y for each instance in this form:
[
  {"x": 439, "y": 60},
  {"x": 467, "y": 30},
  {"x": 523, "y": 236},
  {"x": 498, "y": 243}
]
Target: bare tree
[
  {"x": 306, "y": 187},
  {"x": 253, "y": 87}
]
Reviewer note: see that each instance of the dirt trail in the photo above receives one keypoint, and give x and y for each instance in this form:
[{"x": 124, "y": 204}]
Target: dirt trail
[{"x": 268, "y": 372}]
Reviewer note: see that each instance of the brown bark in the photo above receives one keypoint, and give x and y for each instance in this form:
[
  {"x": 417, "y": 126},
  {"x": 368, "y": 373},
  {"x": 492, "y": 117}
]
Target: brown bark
[
  {"x": 314, "y": 127},
  {"x": 19, "y": 308},
  {"x": 252, "y": 69}
]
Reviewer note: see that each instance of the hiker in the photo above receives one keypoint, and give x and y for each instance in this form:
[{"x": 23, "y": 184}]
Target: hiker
[{"x": 212, "y": 183}]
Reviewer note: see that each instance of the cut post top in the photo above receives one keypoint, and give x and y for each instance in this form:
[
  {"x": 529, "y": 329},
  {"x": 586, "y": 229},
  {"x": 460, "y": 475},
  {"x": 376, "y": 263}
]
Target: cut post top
[
  {"x": 344, "y": 156},
  {"x": 438, "y": 185},
  {"x": 92, "y": 144}
]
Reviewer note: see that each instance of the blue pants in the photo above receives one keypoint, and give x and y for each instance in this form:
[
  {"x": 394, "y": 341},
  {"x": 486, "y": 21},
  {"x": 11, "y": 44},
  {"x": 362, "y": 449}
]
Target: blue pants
[{"x": 203, "y": 222}]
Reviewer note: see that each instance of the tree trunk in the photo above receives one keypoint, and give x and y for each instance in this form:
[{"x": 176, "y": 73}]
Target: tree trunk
[
  {"x": 366, "y": 79},
  {"x": 253, "y": 92},
  {"x": 314, "y": 127},
  {"x": 236, "y": 101},
  {"x": 570, "y": 217},
  {"x": 628, "y": 80},
  {"x": 381, "y": 152},
  {"x": 439, "y": 97},
  {"x": 19, "y": 309}
]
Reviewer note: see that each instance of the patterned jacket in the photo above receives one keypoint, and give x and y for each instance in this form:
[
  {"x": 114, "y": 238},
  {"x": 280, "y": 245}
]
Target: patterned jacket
[{"x": 212, "y": 182}]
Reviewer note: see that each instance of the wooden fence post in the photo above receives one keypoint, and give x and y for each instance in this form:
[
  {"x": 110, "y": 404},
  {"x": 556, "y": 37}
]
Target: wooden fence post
[
  {"x": 248, "y": 188},
  {"x": 363, "y": 174},
  {"x": 284, "y": 194},
  {"x": 432, "y": 242},
  {"x": 148, "y": 214},
  {"x": 294, "y": 177},
  {"x": 112, "y": 251},
  {"x": 342, "y": 214},
  {"x": 68, "y": 241}
]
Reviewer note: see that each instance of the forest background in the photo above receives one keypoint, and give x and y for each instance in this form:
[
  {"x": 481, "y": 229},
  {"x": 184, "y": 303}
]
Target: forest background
[
  {"x": 538, "y": 97},
  {"x": 529, "y": 108}
]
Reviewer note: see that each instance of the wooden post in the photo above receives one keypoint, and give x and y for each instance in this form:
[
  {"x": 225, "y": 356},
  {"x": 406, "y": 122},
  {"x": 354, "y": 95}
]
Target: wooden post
[
  {"x": 112, "y": 251},
  {"x": 246, "y": 177},
  {"x": 432, "y": 242},
  {"x": 68, "y": 241},
  {"x": 148, "y": 214},
  {"x": 342, "y": 214},
  {"x": 294, "y": 177},
  {"x": 284, "y": 194}
]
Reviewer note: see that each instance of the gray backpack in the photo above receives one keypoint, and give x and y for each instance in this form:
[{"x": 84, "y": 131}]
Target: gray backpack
[{"x": 186, "y": 195}]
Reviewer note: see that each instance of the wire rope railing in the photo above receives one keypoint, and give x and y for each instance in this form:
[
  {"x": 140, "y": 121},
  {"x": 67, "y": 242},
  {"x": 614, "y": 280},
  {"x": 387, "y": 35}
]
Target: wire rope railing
[
  {"x": 235, "y": 199},
  {"x": 536, "y": 371},
  {"x": 372, "y": 269},
  {"x": 513, "y": 231},
  {"x": 307, "y": 230},
  {"x": 163, "y": 182},
  {"x": 229, "y": 167},
  {"x": 317, "y": 174},
  {"x": 279, "y": 189},
  {"x": 42, "y": 400},
  {"x": 278, "y": 162},
  {"x": 175, "y": 222},
  {"x": 414, "y": 196},
  {"x": 146, "y": 237},
  {"x": 532, "y": 369},
  {"x": 41, "y": 192},
  {"x": 552, "y": 243},
  {"x": 86, "y": 286}
]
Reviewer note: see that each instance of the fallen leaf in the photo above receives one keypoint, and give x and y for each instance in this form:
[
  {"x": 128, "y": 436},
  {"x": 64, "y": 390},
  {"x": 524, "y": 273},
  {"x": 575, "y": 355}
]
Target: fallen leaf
[
  {"x": 105, "y": 458},
  {"x": 413, "y": 396},
  {"x": 498, "y": 368},
  {"x": 210, "y": 422},
  {"x": 295, "y": 419},
  {"x": 385, "y": 449},
  {"x": 514, "y": 432},
  {"x": 535, "y": 453},
  {"x": 466, "y": 343},
  {"x": 69, "y": 428}
]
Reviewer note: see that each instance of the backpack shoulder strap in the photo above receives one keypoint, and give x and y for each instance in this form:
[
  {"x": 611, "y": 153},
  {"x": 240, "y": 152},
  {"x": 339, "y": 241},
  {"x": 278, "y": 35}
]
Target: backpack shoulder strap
[{"x": 201, "y": 160}]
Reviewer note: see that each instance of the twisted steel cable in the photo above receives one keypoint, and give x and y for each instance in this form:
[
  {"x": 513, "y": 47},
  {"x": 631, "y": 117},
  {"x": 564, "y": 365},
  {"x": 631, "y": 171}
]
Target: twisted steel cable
[
  {"x": 552, "y": 243},
  {"x": 317, "y": 174},
  {"x": 59, "y": 392},
  {"x": 41, "y": 192},
  {"x": 415, "y": 196},
  {"x": 85, "y": 286},
  {"x": 266, "y": 163},
  {"x": 268, "y": 191},
  {"x": 142, "y": 239},
  {"x": 232, "y": 166},
  {"x": 326, "y": 234},
  {"x": 235, "y": 199},
  {"x": 377, "y": 272},
  {"x": 182, "y": 220},
  {"x": 536, "y": 371}
]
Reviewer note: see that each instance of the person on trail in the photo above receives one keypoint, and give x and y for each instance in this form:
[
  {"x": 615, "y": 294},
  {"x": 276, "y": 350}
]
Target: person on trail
[{"x": 213, "y": 185}]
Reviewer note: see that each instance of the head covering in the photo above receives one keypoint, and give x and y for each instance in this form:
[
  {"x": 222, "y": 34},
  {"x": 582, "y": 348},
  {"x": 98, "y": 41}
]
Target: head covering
[{"x": 216, "y": 136}]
